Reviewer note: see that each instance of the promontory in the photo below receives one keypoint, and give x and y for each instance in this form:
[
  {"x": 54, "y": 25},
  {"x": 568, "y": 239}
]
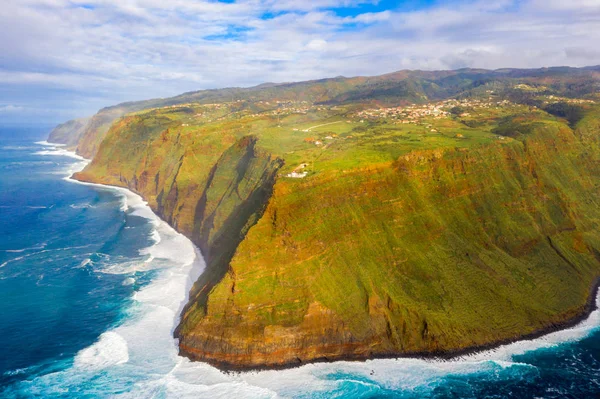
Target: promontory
[{"x": 415, "y": 213}]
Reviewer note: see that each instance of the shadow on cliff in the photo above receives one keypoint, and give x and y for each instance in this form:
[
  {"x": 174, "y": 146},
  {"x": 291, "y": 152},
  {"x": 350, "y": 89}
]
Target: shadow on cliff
[{"x": 235, "y": 196}]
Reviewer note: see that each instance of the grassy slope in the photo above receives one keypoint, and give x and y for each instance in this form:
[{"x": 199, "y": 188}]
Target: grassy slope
[
  {"x": 398, "y": 241},
  {"x": 439, "y": 251}
]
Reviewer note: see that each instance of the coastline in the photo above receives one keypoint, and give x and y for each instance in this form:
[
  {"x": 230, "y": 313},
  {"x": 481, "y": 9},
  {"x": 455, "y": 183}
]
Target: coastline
[
  {"x": 199, "y": 264},
  {"x": 590, "y": 306},
  {"x": 134, "y": 200},
  {"x": 443, "y": 356}
]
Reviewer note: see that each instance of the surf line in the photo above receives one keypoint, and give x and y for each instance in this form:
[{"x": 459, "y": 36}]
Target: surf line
[{"x": 180, "y": 263}]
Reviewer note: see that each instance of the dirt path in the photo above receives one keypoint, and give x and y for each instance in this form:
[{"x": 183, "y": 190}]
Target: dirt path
[{"x": 325, "y": 124}]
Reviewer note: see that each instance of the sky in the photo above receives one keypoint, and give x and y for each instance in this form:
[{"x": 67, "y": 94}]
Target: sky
[{"x": 61, "y": 59}]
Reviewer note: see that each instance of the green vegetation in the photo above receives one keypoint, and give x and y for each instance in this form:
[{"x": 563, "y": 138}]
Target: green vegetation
[
  {"x": 572, "y": 113},
  {"x": 337, "y": 228}
]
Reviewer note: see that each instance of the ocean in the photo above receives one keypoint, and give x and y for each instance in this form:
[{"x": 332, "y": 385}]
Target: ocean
[{"x": 92, "y": 283}]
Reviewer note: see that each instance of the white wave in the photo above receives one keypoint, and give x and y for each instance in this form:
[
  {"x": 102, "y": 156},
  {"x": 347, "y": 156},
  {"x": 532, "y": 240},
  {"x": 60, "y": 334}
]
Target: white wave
[
  {"x": 81, "y": 206},
  {"x": 129, "y": 281},
  {"x": 60, "y": 152},
  {"x": 111, "y": 349},
  {"x": 47, "y": 144},
  {"x": 580, "y": 331},
  {"x": 71, "y": 169},
  {"x": 13, "y": 260},
  {"x": 124, "y": 268},
  {"x": 40, "y": 246},
  {"x": 16, "y": 148},
  {"x": 18, "y": 371},
  {"x": 148, "y": 251},
  {"x": 27, "y": 206},
  {"x": 40, "y": 252},
  {"x": 126, "y": 198}
]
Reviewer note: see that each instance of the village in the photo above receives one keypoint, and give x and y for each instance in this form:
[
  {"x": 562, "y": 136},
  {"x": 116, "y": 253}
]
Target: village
[
  {"x": 413, "y": 114},
  {"x": 556, "y": 99}
]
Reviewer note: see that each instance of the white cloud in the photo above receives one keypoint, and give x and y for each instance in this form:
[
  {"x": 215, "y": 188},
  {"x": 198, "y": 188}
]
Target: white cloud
[
  {"x": 10, "y": 108},
  {"x": 317, "y": 45},
  {"x": 371, "y": 17},
  {"x": 562, "y": 5}
]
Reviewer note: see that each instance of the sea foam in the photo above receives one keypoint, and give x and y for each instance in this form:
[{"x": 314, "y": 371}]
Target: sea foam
[{"x": 110, "y": 350}]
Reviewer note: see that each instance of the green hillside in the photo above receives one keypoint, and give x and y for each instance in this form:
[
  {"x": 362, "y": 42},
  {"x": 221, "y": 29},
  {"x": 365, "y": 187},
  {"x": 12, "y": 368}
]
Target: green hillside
[
  {"x": 403, "y": 86},
  {"x": 418, "y": 212}
]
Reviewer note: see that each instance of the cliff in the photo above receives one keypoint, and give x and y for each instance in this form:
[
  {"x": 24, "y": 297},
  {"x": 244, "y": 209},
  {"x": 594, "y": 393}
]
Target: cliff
[
  {"x": 434, "y": 252},
  {"x": 214, "y": 205},
  {"x": 68, "y": 133},
  {"x": 331, "y": 232}
]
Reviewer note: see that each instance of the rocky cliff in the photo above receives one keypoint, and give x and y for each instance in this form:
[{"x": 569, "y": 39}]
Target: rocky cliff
[
  {"x": 434, "y": 254},
  {"x": 438, "y": 251},
  {"x": 331, "y": 233},
  {"x": 213, "y": 204}
]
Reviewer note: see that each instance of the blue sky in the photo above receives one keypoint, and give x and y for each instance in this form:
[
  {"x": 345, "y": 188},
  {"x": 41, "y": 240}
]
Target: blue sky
[{"x": 66, "y": 58}]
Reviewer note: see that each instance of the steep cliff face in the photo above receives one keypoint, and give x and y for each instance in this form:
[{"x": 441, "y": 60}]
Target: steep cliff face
[
  {"x": 437, "y": 252},
  {"x": 402, "y": 238},
  {"x": 68, "y": 133},
  {"x": 94, "y": 131},
  {"x": 213, "y": 201},
  {"x": 234, "y": 198}
]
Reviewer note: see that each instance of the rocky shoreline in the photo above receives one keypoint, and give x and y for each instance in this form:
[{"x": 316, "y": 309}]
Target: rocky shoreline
[{"x": 590, "y": 306}]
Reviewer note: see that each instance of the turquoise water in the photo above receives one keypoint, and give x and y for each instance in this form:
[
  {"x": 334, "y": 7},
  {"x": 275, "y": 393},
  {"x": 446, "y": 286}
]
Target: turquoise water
[{"x": 91, "y": 283}]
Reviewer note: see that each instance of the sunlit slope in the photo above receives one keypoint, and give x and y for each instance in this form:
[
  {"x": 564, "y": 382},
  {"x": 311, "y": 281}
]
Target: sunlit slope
[
  {"x": 436, "y": 252},
  {"x": 398, "y": 240}
]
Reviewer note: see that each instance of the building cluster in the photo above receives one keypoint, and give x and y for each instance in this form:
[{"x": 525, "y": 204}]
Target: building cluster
[
  {"x": 557, "y": 99},
  {"x": 291, "y": 107},
  {"x": 298, "y": 172},
  {"x": 413, "y": 114},
  {"x": 408, "y": 114}
]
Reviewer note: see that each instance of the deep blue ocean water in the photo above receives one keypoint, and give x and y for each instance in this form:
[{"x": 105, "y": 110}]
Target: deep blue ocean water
[{"x": 91, "y": 284}]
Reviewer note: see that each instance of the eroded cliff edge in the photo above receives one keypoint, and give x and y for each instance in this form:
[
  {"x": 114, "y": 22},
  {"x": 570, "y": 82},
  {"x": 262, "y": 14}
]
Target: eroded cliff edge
[{"x": 436, "y": 252}]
